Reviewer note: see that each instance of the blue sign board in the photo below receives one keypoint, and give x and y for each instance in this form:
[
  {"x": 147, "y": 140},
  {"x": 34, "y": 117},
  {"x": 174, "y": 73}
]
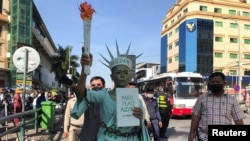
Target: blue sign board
[{"x": 236, "y": 87}]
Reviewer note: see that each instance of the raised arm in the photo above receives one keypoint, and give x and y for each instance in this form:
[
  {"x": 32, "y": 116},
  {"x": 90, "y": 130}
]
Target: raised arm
[{"x": 80, "y": 87}]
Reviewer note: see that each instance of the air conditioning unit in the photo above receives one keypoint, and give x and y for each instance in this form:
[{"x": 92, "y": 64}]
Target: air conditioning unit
[
  {"x": 8, "y": 55},
  {"x": 238, "y": 13},
  {"x": 243, "y": 1},
  {"x": 156, "y": 69}
]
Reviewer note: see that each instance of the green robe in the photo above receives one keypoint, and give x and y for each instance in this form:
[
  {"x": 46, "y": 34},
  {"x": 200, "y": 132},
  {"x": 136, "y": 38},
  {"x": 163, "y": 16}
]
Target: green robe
[{"x": 108, "y": 116}]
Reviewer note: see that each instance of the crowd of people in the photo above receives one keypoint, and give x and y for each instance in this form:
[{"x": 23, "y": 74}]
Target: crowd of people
[
  {"x": 91, "y": 113},
  {"x": 98, "y": 106},
  {"x": 11, "y": 101}
]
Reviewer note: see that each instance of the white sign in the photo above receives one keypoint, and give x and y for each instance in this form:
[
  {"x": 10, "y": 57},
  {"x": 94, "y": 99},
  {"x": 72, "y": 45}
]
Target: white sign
[
  {"x": 126, "y": 100},
  {"x": 19, "y": 59}
]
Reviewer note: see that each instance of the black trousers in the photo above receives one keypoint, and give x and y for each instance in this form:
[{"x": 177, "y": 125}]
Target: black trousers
[{"x": 165, "y": 117}]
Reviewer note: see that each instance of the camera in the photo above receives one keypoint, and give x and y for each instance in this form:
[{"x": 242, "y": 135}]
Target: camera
[{"x": 65, "y": 80}]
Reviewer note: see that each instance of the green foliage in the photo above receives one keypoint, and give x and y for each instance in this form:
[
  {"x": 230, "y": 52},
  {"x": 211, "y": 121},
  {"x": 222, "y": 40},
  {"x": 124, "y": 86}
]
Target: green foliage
[{"x": 63, "y": 64}]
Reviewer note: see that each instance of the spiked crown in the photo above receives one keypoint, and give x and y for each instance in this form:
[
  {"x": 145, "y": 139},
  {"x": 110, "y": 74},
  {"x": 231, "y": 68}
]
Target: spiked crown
[{"x": 121, "y": 59}]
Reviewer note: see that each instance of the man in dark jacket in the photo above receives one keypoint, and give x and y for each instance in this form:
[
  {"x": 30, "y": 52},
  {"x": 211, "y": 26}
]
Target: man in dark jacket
[{"x": 154, "y": 113}]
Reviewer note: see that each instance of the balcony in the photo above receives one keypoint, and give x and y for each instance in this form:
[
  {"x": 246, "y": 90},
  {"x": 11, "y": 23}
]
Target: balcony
[{"x": 4, "y": 18}]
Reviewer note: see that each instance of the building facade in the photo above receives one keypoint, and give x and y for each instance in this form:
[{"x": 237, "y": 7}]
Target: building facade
[
  {"x": 145, "y": 71},
  {"x": 207, "y": 35},
  {"x": 4, "y": 42},
  {"x": 22, "y": 25}
]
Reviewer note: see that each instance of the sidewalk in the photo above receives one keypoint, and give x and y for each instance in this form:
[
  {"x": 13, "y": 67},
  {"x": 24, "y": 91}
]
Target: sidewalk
[{"x": 42, "y": 135}]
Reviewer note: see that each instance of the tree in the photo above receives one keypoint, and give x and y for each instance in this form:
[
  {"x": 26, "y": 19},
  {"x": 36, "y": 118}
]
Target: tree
[{"x": 63, "y": 62}]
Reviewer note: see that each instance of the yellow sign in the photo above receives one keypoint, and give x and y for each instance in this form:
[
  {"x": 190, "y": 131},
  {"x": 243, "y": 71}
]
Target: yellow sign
[
  {"x": 20, "y": 83},
  {"x": 18, "y": 90}
]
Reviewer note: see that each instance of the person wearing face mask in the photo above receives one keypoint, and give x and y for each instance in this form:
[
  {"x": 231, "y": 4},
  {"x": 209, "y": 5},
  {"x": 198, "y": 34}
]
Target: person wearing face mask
[
  {"x": 90, "y": 127},
  {"x": 214, "y": 108},
  {"x": 154, "y": 113}
]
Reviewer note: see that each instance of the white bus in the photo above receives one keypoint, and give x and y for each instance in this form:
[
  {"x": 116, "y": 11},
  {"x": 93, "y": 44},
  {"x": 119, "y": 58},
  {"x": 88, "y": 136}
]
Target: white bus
[{"x": 183, "y": 89}]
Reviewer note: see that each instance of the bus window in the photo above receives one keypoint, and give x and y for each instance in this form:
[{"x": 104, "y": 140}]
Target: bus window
[
  {"x": 169, "y": 88},
  {"x": 189, "y": 87}
]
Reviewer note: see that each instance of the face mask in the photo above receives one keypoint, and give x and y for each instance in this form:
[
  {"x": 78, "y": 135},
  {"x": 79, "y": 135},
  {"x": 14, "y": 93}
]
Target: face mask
[
  {"x": 150, "y": 95},
  {"x": 96, "y": 88},
  {"x": 216, "y": 88}
]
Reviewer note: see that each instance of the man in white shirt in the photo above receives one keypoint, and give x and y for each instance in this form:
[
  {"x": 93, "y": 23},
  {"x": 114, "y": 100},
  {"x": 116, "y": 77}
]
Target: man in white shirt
[{"x": 72, "y": 127}]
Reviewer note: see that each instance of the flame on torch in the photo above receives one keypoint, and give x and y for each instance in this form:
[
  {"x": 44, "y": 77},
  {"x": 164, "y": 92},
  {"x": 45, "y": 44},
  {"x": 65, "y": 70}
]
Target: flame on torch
[
  {"x": 86, "y": 14},
  {"x": 86, "y": 11}
]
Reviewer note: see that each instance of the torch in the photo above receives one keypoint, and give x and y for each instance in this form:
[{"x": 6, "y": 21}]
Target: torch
[{"x": 86, "y": 15}]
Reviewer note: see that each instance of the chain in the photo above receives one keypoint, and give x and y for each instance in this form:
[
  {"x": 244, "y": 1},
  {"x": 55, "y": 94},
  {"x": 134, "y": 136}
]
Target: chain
[{"x": 104, "y": 125}]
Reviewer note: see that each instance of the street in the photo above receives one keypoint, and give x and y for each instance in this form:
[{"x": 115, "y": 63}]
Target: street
[{"x": 178, "y": 128}]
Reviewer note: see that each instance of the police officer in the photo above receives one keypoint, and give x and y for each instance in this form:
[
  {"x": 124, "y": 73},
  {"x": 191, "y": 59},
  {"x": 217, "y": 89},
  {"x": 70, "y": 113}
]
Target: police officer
[
  {"x": 154, "y": 113},
  {"x": 72, "y": 127},
  {"x": 165, "y": 109}
]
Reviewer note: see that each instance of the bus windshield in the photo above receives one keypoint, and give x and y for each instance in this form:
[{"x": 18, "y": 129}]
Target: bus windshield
[{"x": 188, "y": 87}]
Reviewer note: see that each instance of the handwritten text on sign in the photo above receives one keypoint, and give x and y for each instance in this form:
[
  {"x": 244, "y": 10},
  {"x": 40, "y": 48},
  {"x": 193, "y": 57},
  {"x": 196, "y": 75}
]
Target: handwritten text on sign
[{"x": 126, "y": 99}]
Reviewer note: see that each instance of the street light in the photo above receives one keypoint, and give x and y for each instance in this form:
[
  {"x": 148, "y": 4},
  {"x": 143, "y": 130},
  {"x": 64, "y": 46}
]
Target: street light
[
  {"x": 69, "y": 75},
  {"x": 69, "y": 60},
  {"x": 239, "y": 54}
]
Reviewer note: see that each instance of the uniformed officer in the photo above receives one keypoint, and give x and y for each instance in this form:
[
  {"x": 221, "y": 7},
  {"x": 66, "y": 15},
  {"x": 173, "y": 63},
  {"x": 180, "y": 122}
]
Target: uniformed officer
[
  {"x": 165, "y": 109},
  {"x": 154, "y": 113},
  {"x": 72, "y": 127}
]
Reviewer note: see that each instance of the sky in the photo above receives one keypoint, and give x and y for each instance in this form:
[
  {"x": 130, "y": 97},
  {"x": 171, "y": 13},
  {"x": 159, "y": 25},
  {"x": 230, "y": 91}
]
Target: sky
[{"x": 135, "y": 22}]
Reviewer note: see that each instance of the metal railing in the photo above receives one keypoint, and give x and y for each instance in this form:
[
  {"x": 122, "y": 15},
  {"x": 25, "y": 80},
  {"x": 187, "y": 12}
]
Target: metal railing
[{"x": 23, "y": 123}]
